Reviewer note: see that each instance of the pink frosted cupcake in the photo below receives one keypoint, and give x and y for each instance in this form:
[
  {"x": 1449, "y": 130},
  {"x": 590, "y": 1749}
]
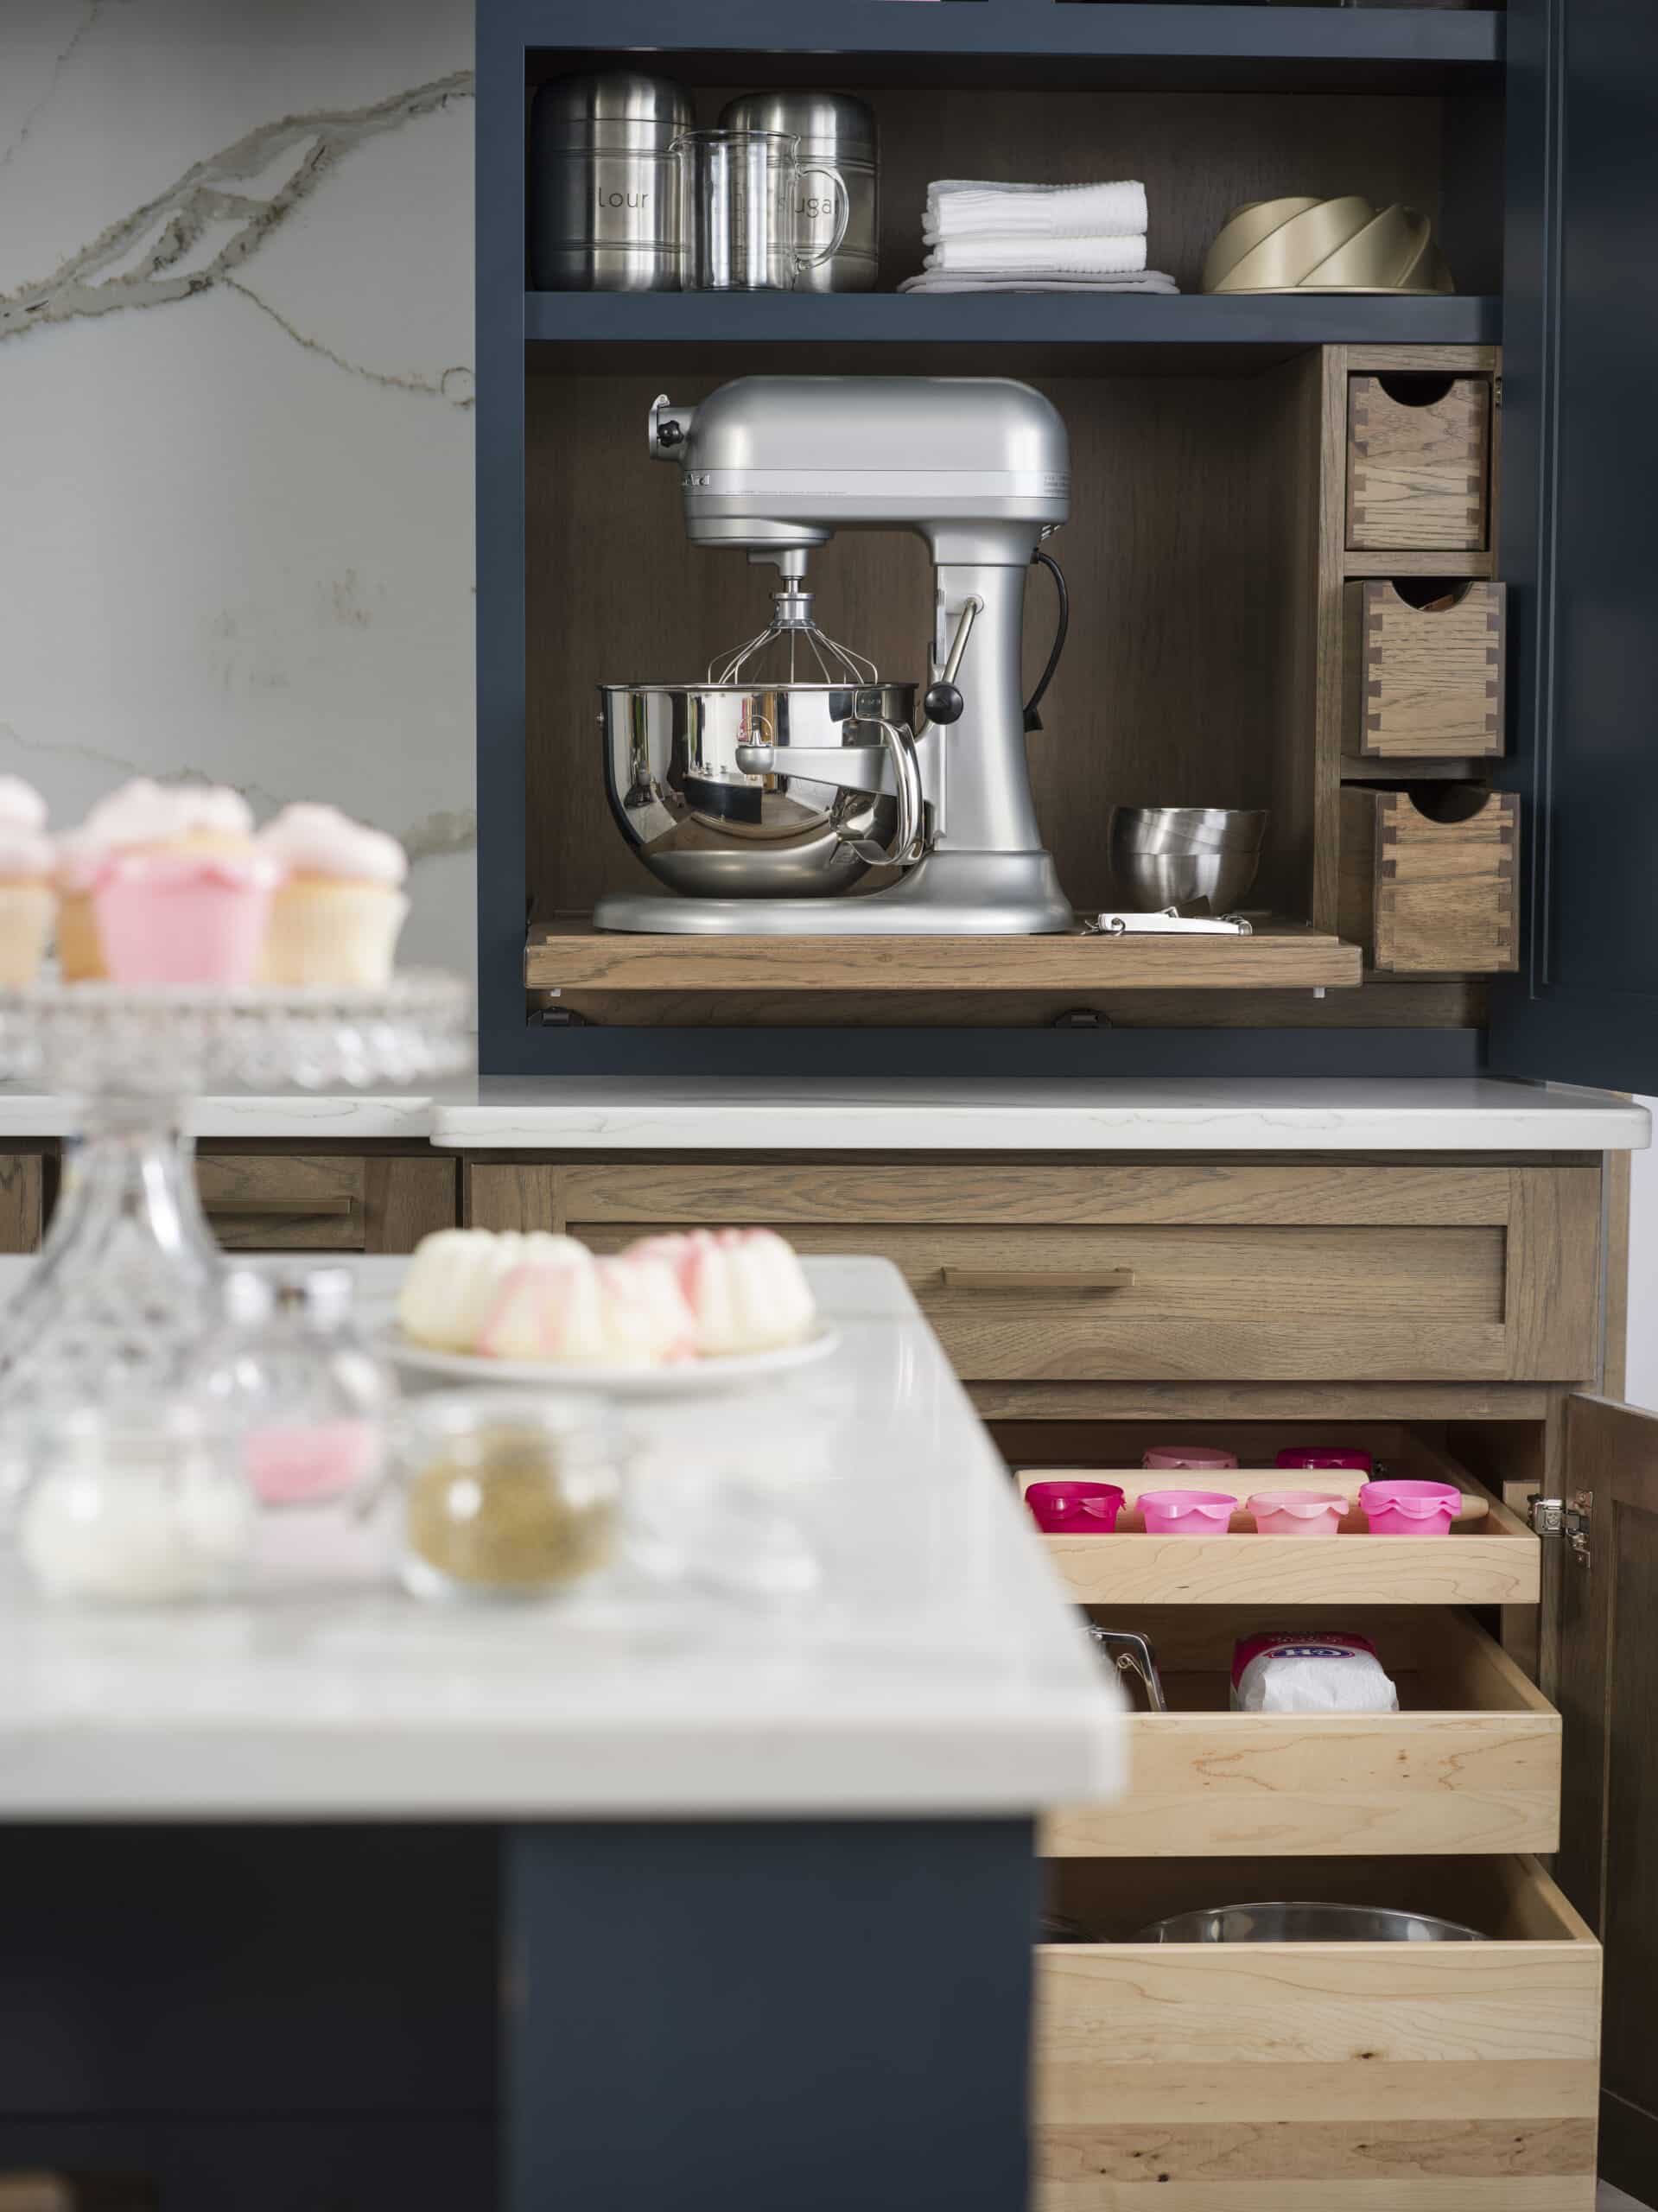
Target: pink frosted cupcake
[
  {"x": 27, "y": 900},
  {"x": 336, "y": 918},
  {"x": 180, "y": 893}
]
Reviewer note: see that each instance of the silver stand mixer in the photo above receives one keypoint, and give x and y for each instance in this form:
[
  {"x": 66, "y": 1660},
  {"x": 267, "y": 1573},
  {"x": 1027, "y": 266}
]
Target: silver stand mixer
[{"x": 764, "y": 799}]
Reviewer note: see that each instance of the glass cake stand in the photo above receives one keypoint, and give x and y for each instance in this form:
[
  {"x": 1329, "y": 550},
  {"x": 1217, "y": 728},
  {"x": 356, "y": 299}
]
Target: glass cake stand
[{"x": 127, "y": 1282}]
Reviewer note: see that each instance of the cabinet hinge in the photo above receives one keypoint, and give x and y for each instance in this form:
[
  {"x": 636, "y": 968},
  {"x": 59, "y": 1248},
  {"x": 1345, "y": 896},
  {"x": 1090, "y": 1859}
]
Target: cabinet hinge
[
  {"x": 1567, "y": 1517},
  {"x": 1497, "y": 395}
]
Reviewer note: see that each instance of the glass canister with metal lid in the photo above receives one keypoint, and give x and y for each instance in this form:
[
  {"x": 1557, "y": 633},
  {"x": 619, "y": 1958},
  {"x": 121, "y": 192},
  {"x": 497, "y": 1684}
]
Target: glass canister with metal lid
[
  {"x": 841, "y": 133},
  {"x": 606, "y": 211}
]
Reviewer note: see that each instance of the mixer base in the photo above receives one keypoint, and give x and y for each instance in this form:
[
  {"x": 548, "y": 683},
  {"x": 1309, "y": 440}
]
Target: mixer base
[{"x": 948, "y": 894}]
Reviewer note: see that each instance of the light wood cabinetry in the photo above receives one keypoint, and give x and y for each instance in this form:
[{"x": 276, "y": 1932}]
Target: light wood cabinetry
[
  {"x": 1441, "y": 1312},
  {"x": 1419, "y": 457},
  {"x": 1239, "y": 1270},
  {"x": 22, "y": 1200},
  {"x": 367, "y": 1201},
  {"x": 1425, "y": 681},
  {"x": 1306, "y": 2077}
]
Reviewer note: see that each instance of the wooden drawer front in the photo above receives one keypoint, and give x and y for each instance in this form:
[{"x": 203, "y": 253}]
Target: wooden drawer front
[
  {"x": 1471, "y": 1762},
  {"x": 1239, "y": 1273},
  {"x": 1426, "y": 896},
  {"x": 306, "y": 1202},
  {"x": 1418, "y": 475},
  {"x": 1339, "y": 2077},
  {"x": 21, "y": 1201},
  {"x": 264, "y": 1203},
  {"x": 1424, "y": 685}
]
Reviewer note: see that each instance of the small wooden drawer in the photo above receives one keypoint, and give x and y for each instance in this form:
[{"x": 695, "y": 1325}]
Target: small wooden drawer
[
  {"x": 1471, "y": 1762},
  {"x": 1419, "y": 460},
  {"x": 1424, "y": 680},
  {"x": 1431, "y": 892},
  {"x": 1316, "y": 2078},
  {"x": 1099, "y": 1271},
  {"x": 284, "y": 1201}
]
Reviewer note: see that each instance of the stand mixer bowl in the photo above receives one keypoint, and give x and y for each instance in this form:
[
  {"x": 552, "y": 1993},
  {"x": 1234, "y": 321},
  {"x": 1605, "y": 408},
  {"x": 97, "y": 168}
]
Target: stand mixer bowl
[{"x": 710, "y": 829}]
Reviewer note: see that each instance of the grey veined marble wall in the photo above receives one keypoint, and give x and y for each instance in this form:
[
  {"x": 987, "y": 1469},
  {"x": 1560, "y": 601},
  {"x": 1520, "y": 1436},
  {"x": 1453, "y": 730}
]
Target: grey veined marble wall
[{"x": 236, "y": 274}]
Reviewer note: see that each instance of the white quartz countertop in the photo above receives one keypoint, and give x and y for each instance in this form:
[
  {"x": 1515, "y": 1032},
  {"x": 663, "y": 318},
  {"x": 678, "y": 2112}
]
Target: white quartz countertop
[
  {"x": 708, "y": 1113},
  {"x": 935, "y": 1669},
  {"x": 1260, "y": 1115}
]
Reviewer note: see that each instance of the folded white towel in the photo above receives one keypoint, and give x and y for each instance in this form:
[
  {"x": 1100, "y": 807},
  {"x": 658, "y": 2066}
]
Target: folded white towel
[
  {"x": 957, "y": 206},
  {"x": 991, "y": 257},
  {"x": 1039, "y": 280}
]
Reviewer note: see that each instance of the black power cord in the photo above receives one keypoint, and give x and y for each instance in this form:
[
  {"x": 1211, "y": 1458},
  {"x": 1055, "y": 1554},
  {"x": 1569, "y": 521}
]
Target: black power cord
[{"x": 1032, "y": 720}]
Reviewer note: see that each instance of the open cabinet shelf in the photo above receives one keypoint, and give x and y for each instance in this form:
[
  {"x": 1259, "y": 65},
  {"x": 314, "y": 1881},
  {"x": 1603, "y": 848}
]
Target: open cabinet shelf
[
  {"x": 1261, "y": 329},
  {"x": 1212, "y": 47}
]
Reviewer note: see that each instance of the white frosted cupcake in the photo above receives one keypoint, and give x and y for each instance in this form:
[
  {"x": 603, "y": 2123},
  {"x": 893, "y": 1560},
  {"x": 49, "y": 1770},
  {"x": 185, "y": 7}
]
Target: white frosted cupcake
[
  {"x": 336, "y": 919},
  {"x": 28, "y": 902},
  {"x": 147, "y": 829}
]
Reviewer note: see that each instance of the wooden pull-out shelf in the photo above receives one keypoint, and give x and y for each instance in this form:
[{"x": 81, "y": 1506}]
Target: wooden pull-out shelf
[
  {"x": 569, "y": 955},
  {"x": 1226, "y": 2078},
  {"x": 1493, "y": 1561},
  {"x": 1469, "y": 1763}
]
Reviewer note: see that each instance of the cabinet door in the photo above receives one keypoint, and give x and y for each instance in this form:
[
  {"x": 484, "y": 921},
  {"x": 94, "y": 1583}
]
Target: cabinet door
[
  {"x": 1608, "y": 1695},
  {"x": 1580, "y": 457},
  {"x": 21, "y": 1195}
]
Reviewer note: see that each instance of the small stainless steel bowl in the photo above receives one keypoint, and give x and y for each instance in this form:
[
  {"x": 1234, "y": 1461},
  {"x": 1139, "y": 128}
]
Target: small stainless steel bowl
[
  {"x": 1306, "y": 1923},
  {"x": 710, "y": 828},
  {"x": 1175, "y": 855},
  {"x": 1181, "y": 829}
]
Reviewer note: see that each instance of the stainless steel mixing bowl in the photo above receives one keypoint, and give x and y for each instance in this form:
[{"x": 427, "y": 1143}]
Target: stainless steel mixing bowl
[
  {"x": 1174, "y": 856},
  {"x": 1306, "y": 1923},
  {"x": 713, "y": 826}
]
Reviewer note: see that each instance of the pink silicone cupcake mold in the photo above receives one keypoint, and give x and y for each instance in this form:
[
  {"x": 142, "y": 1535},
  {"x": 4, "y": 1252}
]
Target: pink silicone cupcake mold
[
  {"x": 1296, "y": 1512},
  {"x": 1326, "y": 1455},
  {"x": 1186, "y": 1512},
  {"x": 1406, "y": 1509},
  {"x": 1205, "y": 1458},
  {"x": 1075, "y": 1508}
]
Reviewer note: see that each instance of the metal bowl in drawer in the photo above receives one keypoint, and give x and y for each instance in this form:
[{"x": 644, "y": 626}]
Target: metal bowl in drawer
[{"x": 1306, "y": 1923}]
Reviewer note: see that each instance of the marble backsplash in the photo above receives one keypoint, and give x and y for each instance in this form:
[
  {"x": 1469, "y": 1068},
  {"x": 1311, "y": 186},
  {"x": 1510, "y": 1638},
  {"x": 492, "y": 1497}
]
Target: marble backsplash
[{"x": 236, "y": 427}]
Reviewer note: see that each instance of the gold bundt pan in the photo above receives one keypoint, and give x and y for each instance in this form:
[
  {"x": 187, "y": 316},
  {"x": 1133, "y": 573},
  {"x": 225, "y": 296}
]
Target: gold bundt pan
[{"x": 1324, "y": 245}]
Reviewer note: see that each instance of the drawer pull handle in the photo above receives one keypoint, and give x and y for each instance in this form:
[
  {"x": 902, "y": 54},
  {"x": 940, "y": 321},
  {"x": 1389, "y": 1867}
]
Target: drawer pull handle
[
  {"x": 1049, "y": 1279},
  {"x": 290, "y": 1209}
]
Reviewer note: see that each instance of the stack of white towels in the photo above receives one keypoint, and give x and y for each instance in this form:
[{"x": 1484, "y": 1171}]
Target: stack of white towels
[{"x": 984, "y": 237}]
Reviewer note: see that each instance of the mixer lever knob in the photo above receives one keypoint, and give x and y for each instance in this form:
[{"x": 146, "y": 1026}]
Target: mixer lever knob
[{"x": 943, "y": 704}]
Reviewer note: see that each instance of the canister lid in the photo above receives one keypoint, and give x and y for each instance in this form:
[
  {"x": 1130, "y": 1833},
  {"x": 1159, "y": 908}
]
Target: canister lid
[
  {"x": 619, "y": 102},
  {"x": 824, "y": 122}
]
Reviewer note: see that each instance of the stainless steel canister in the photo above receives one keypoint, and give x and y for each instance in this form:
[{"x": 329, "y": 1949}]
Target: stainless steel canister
[
  {"x": 606, "y": 203},
  {"x": 835, "y": 129}
]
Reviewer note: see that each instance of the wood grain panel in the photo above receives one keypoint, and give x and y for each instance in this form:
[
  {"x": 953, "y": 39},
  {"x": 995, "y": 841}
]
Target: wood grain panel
[
  {"x": 1552, "y": 1293},
  {"x": 350, "y": 1202},
  {"x": 1453, "y": 2038},
  {"x": 1472, "y": 1762},
  {"x": 997, "y": 1190},
  {"x": 512, "y": 1195},
  {"x": 1493, "y": 1566},
  {"x": 568, "y": 954},
  {"x": 291, "y": 1202},
  {"x": 1258, "y": 1302},
  {"x": 1419, "y": 893},
  {"x": 1421, "y": 683},
  {"x": 1418, "y": 475},
  {"x": 21, "y": 1201},
  {"x": 408, "y": 1197}
]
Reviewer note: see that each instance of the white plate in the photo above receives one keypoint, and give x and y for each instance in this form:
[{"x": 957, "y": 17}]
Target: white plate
[{"x": 696, "y": 1378}]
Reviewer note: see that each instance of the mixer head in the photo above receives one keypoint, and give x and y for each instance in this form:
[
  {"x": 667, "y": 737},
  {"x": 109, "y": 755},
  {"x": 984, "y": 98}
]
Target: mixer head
[{"x": 791, "y": 648}]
